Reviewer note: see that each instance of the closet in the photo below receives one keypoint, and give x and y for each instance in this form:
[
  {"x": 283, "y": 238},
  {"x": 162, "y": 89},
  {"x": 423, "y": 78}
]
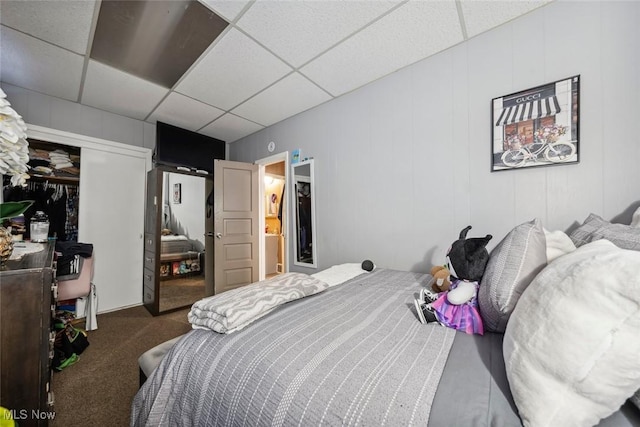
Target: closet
[
  {"x": 110, "y": 203},
  {"x": 53, "y": 186}
]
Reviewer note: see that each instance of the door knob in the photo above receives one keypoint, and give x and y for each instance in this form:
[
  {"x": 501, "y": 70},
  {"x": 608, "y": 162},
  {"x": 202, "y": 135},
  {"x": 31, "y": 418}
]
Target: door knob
[
  {"x": 209, "y": 234},
  {"x": 219, "y": 235}
]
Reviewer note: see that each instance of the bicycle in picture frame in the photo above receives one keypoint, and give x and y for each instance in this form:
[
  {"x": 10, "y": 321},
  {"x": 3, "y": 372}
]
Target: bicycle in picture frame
[{"x": 554, "y": 152}]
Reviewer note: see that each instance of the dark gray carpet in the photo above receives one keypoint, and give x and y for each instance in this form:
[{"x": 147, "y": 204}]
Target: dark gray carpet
[{"x": 98, "y": 389}]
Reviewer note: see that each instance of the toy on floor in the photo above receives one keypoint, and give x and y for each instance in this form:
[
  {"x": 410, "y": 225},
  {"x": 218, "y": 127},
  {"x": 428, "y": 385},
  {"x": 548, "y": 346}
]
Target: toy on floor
[{"x": 457, "y": 307}]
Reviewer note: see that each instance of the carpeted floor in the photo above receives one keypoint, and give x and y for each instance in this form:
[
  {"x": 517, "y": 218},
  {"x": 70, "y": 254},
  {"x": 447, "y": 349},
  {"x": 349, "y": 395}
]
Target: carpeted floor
[
  {"x": 99, "y": 388},
  {"x": 181, "y": 292}
]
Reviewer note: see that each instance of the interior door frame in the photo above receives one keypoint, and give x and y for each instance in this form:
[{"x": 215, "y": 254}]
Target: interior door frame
[{"x": 262, "y": 163}]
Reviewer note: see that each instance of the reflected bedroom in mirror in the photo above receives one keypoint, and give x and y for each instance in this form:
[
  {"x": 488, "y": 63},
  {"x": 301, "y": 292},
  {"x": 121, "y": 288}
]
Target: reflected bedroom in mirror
[
  {"x": 304, "y": 215},
  {"x": 182, "y": 241}
]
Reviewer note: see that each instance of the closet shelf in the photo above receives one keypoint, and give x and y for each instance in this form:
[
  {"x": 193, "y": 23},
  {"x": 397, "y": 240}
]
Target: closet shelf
[{"x": 55, "y": 179}]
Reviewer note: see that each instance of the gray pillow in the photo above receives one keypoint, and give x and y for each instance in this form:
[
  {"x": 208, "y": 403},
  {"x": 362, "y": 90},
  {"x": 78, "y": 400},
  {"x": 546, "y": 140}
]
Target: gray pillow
[
  {"x": 635, "y": 399},
  {"x": 595, "y": 228},
  {"x": 512, "y": 265}
]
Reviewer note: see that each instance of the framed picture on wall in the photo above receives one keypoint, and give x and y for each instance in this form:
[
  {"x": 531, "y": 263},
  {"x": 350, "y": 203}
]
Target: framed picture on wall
[
  {"x": 177, "y": 193},
  {"x": 537, "y": 126}
]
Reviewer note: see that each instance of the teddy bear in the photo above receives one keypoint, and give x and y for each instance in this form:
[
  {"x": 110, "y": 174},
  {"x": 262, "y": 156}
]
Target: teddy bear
[
  {"x": 457, "y": 307},
  {"x": 441, "y": 282}
]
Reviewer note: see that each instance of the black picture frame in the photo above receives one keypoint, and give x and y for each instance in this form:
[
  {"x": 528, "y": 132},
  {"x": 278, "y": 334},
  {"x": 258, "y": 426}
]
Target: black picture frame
[
  {"x": 536, "y": 127},
  {"x": 177, "y": 194}
]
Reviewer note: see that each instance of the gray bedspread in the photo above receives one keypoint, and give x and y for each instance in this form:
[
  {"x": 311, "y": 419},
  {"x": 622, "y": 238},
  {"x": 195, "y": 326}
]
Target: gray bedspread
[
  {"x": 474, "y": 390},
  {"x": 354, "y": 354}
]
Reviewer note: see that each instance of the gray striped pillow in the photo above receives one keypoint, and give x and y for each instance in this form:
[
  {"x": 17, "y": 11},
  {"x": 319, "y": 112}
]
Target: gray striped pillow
[
  {"x": 595, "y": 228},
  {"x": 512, "y": 265}
]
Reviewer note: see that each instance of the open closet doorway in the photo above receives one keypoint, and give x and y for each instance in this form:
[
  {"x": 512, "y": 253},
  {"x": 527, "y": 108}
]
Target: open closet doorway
[{"x": 274, "y": 202}]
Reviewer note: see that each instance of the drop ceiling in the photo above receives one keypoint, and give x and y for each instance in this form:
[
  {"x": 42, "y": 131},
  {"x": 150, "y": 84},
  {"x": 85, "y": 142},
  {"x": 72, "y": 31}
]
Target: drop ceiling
[{"x": 271, "y": 60}]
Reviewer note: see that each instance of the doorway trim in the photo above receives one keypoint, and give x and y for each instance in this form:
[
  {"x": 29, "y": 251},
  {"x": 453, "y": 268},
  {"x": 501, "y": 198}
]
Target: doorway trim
[{"x": 262, "y": 163}]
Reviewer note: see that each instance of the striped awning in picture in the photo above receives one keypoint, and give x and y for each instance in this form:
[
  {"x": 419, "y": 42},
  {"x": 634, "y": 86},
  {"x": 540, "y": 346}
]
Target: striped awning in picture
[{"x": 529, "y": 111}]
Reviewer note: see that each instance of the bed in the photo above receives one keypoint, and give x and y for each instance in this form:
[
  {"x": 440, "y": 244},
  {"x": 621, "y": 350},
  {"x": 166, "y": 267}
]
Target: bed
[
  {"x": 177, "y": 256},
  {"x": 354, "y": 353}
]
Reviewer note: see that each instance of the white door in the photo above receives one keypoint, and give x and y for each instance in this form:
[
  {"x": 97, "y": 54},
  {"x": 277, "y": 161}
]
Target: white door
[
  {"x": 111, "y": 217},
  {"x": 235, "y": 226}
]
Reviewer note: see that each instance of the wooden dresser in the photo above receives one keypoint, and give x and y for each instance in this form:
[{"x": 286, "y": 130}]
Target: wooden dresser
[{"x": 27, "y": 305}]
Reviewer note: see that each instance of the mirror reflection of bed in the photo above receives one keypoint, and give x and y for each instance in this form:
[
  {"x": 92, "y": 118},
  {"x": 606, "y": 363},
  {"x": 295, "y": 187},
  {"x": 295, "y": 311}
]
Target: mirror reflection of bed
[{"x": 181, "y": 272}]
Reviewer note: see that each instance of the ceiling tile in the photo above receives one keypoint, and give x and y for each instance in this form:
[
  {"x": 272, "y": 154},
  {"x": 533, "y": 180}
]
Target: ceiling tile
[
  {"x": 230, "y": 128},
  {"x": 121, "y": 93},
  {"x": 290, "y": 96},
  {"x": 317, "y": 25},
  {"x": 184, "y": 112},
  {"x": 63, "y": 23},
  {"x": 480, "y": 16},
  {"x": 401, "y": 38},
  {"x": 33, "y": 64},
  {"x": 228, "y": 9},
  {"x": 155, "y": 40},
  {"x": 236, "y": 68}
]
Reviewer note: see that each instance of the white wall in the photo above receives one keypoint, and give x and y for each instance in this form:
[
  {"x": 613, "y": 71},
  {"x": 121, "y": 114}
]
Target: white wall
[
  {"x": 61, "y": 114},
  {"x": 403, "y": 164},
  {"x": 188, "y": 216},
  {"x": 55, "y": 113}
]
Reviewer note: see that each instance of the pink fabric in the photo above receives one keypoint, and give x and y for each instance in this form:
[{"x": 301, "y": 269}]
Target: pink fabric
[
  {"x": 80, "y": 287},
  {"x": 464, "y": 317}
]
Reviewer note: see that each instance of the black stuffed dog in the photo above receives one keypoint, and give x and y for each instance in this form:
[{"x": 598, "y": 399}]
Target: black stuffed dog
[
  {"x": 458, "y": 307},
  {"x": 468, "y": 258}
]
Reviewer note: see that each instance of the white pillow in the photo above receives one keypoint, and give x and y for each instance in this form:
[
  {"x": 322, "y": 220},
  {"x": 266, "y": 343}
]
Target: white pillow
[
  {"x": 558, "y": 244},
  {"x": 338, "y": 274},
  {"x": 571, "y": 345}
]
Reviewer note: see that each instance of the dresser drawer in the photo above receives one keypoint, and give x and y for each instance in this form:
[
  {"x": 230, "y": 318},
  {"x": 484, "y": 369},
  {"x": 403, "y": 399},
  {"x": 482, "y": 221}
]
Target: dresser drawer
[
  {"x": 150, "y": 242},
  {"x": 148, "y": 278},
  {"x": 148, "y": 296},
  {"x": 150, "y": 260}
]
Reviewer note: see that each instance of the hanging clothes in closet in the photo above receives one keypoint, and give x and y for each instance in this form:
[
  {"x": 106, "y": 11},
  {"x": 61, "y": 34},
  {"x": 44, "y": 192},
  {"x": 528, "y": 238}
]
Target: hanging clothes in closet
[{"x": 59, "y": 201}]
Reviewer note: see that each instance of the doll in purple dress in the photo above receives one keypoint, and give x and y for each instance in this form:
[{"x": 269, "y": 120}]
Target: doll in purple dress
[{"x": 457, "y": 307}]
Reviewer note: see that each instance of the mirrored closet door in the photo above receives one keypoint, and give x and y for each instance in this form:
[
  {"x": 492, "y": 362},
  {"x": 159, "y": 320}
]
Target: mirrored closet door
[{"x": 176, "y": 229}]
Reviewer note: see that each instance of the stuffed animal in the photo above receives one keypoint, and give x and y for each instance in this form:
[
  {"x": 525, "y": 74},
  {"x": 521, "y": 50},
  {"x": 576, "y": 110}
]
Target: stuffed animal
[
  {"x": 457, "y": 307},
  {"x": 441, "y": 282}
]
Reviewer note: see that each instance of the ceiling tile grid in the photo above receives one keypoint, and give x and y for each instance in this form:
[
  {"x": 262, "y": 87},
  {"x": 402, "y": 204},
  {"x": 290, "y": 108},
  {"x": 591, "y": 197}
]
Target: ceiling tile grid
[
  {"x": 228, "y": 9},
  {"x": 317, "y": 25},
  {"x": 63, "y": 23},
  {"x": 184, "y": 112},
  {"x": 234, "y": 70},
  {"x": 399, "y": 39},
  {"x": 275, "y": 59},
  {"x": 230, "y": 128},
  {"x": 481, "y": 16},
  {"x": 121, "y": 93},
  {"x": 286, "y": 98},
  {"x": 33, "y": 64}
]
